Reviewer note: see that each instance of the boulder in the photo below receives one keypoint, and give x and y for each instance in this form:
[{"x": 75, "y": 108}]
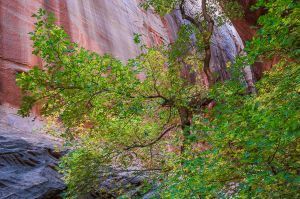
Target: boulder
[{"x": 28, "y": 163}]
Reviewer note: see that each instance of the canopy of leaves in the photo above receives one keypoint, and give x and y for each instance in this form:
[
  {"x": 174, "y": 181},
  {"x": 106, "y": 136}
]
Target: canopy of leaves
[
  {"x": 254, "y": 143},
  {"x": 218, "y": 9},
  {"x": 254, "y": 140},
  {"x": 279, "y": 32},
  {"x": 119, "y": 114},
  {"x": 113, "y": 111}
]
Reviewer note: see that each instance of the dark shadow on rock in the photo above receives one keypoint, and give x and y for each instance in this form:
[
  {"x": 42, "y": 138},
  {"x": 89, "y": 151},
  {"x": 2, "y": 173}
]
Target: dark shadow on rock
[{"x": 27, "y": 170}]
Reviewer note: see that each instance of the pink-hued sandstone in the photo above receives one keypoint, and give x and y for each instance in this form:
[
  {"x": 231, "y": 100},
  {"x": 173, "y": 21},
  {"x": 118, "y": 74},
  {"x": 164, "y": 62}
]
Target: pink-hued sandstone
[{"x": 104, "y": 26}]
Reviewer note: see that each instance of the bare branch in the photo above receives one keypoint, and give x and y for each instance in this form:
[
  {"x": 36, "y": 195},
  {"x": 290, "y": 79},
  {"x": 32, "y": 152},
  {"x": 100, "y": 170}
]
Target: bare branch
[{"x": 152, "y": 142}]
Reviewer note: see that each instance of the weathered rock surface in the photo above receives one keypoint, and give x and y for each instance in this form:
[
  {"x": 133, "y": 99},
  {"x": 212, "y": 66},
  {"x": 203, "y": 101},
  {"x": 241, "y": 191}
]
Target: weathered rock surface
[
  {"x": 28, "y": 161},
  {"x": 226, "y": 43},
  {"x": 103, "y": 26},
  {"x": 107, "y": 26},
  {"x": 247, "y": 27},
  {"x": 129, "y": 183}
]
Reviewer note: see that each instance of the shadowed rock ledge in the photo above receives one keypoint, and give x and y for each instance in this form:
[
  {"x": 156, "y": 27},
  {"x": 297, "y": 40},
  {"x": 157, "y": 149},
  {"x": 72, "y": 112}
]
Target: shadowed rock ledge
[{"x": 27, "y": 163}]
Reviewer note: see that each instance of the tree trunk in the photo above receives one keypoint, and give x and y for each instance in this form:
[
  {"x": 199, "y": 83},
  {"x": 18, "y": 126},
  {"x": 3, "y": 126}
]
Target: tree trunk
[
  {"x": 207, "y": 34},
  {"x": 185, "y": 116},
  {"x": 207, "y": 37},
  {"x": 248, "y": 75}
]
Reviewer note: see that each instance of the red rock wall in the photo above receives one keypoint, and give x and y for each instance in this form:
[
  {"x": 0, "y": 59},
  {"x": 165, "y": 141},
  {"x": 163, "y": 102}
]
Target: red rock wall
[
  {"x": 104, "y": 26},
  {"x": 247, "y": 27}
]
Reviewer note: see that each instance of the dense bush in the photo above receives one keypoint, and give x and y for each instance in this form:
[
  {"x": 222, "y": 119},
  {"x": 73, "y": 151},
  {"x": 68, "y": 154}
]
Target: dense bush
[{"x": 254, "y": 142}]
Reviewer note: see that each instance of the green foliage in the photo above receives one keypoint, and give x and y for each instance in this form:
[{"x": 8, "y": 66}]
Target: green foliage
[
  {"x": 162, "y": 7},
  {"x": 118, "y": 114},
  {"x": 279, "y": 32},
  {"x": 230, "y": 8},
  {"x": 254, "y": 140},
  {"x": 81, "y": 170},
  {"x": 114, "y": 112},
  {"x": 137, "y": 38},
  {"x": 254, "y": 143},
  {"x": 189, "y": 42}
]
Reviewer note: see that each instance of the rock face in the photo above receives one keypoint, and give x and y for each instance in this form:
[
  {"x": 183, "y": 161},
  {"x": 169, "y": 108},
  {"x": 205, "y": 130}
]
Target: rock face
[
  {"x": 27, "y": 162},
  {"x": 126, "y": 184},
  {"x": 226, "y": 43},
  {"x": 107, "y": 26},
  {"x": 104, "y": 26},
  {"x": 247, "y": 27}
]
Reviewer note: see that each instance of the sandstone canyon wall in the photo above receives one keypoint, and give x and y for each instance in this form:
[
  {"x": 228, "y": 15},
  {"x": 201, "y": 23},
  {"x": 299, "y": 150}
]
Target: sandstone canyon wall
[
  {"x": 104, "y": 26},
  {"x": 246, "y": 28}
]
